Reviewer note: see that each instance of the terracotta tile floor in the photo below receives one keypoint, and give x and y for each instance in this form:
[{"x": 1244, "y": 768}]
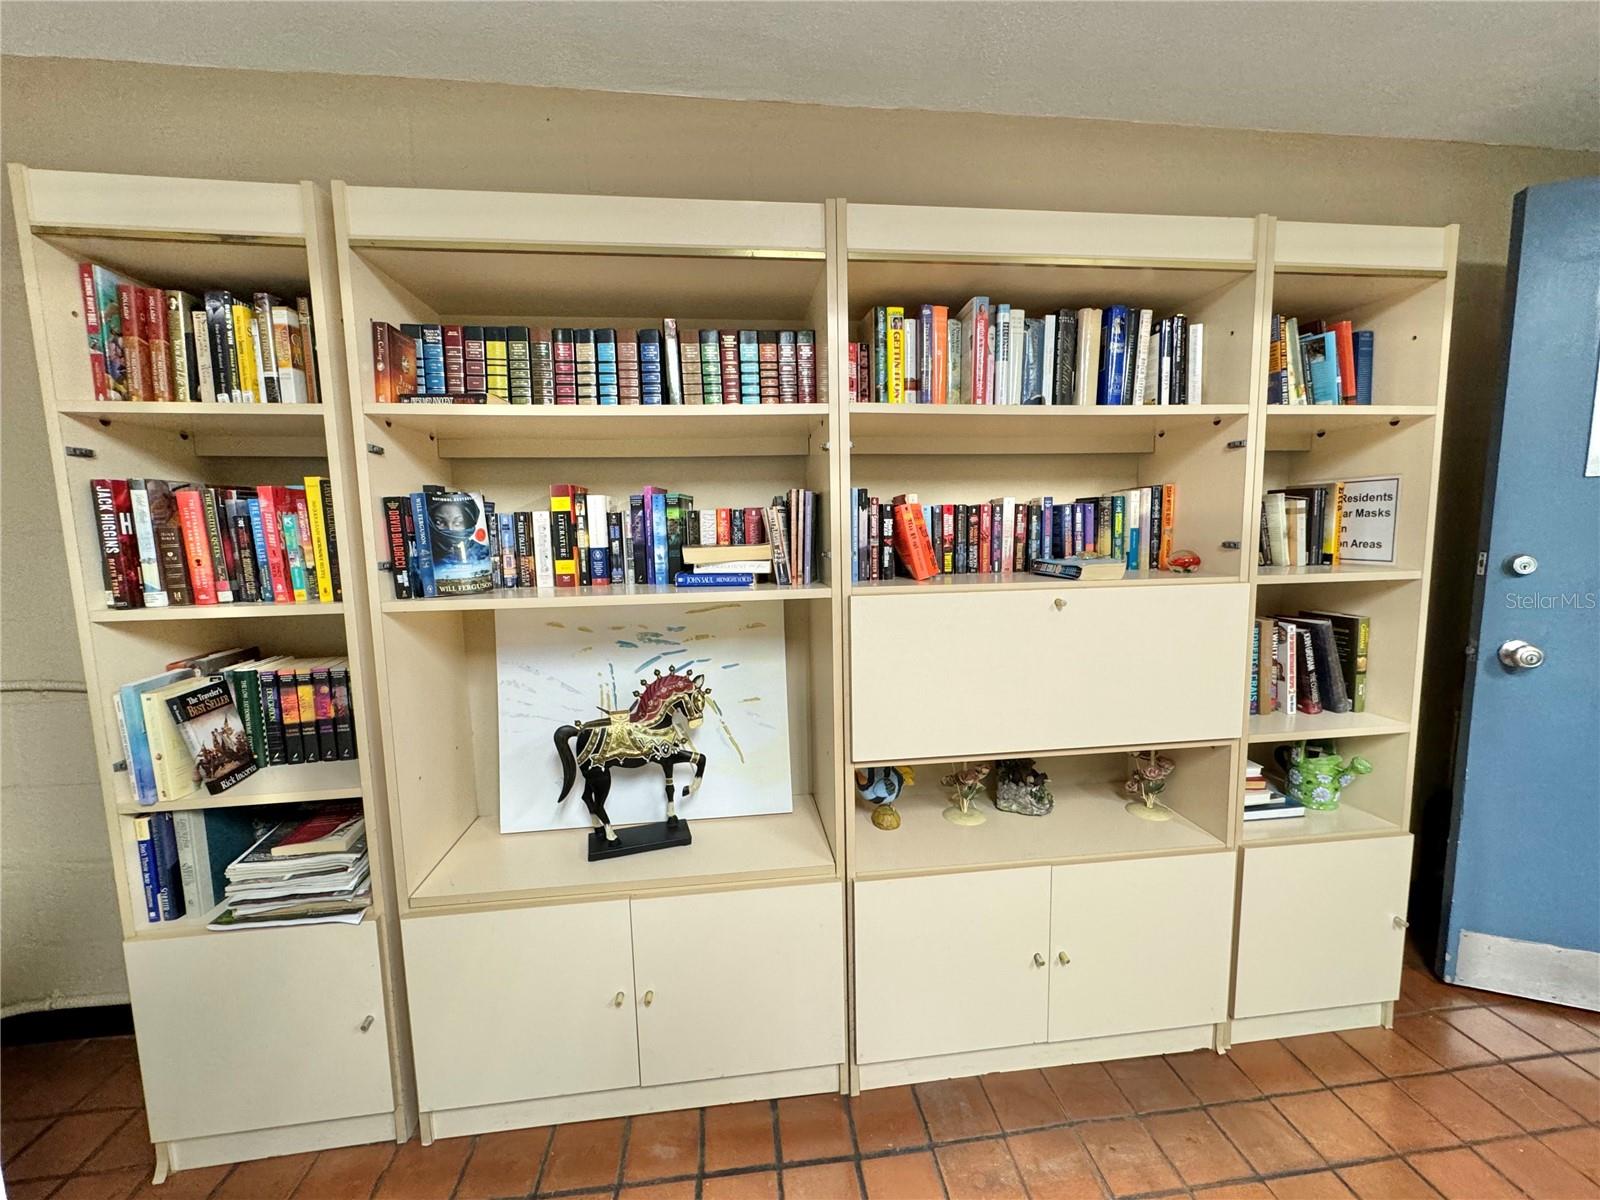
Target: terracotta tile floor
[{"x": 1470, "y": 1097}]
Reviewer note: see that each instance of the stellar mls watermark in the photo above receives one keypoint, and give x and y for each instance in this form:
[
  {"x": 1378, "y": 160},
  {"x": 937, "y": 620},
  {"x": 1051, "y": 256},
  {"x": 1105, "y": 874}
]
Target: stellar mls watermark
[{"x": 1548, "y": 601}]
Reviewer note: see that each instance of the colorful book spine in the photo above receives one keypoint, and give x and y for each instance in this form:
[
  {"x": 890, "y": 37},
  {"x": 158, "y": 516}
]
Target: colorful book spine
[
  {"x": 806, "y": 365},
  {"x": 607, "y": 383},
  {"x": 519, "y": 365},
  {"x": 1361, "y": 340},
  {"x": 564, "y": 357},
  {"x": 650, "y": 371},
  {"x": 710, "y": 367},
  {"x": 474, "y": 359},
  {"x": 749, "y": 367},
  {"x": 628, "y": 379}
]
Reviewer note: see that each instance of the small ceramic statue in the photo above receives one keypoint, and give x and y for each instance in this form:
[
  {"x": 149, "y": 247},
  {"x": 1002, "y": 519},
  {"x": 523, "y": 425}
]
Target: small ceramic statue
[
  {"x": 1315, "y": 775},
  {"x": 881, "y": 787},
  {"x": 1147, "y": 779},
  {"x": 1184, "y": 562},
  {"x": 966, "y": 786},
  {"x": 1022, "y": 788}
]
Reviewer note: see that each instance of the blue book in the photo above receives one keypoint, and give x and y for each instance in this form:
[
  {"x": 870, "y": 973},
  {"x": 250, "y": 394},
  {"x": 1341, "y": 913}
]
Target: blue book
[
  {"x": 687, "y": 579},
  {"x": 1114, "y": 355},
  {"x": 424, "y": 567},
  {"x": 507, "y": 542},
  {"x": 1133, "y": 549},
  {"x": 432, "y": 360},
  {"x": 169, "y": 874},
  {"x": 650, "y": 366},
  {"x": 1321, "y": 354},
  {"x": 1362, "y": 342},
  {"x": 258, "y": 535},
  {"x": 1119, "y": 526},
  {"x": 605, "y": 365},
  {"x": 855, "y": 535},
  {"x": 657, "y": 532},
  {"x": 141, "y": 766},
  {"x": 1047, "y": 539},
  {"x": 144, "y": 834},
  {"x": 925, "y": 354}
]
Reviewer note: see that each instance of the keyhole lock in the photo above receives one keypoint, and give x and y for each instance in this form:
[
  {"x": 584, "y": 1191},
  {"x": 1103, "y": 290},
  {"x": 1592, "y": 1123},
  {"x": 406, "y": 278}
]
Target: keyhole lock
[
  {"x": 1519, "y": 655},
  {"x": 1522, "y": 564}
]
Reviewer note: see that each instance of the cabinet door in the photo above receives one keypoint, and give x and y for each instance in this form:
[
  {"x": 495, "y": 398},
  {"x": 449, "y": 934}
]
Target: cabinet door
[
  {"x": 252, "y": 1030},
  {"x": 520, "y": 1004},
  {"x": 1320, "y": 925},
  {"x": 946, "y": 963},
  {"x": 1100, "y": 667},
  {"x": 737, "y": 983},
  {"x": 1148, "y": 944}
]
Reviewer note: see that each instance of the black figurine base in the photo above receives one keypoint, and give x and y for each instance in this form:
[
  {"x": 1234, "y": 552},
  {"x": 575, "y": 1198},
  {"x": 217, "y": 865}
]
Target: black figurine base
[{"x": 636, "y": 839}]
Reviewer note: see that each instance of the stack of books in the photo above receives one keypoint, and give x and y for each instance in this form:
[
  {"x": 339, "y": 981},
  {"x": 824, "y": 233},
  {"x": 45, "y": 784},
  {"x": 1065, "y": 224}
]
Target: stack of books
[
  {"x": 150, "y": 344},
  {"x": 1263, "y": 800},
  {"x": 169, "y": 545},
  {"x": 313, "y": 870},
  {"x": 991, "y": 353},
  {"x": 522, "y": 364},
  {"x": 1318, "y": 362},
  {"x": 909, "y": 537},
  {"x": 1311, "y": 662},
  {"x": 468, "y": 547}
]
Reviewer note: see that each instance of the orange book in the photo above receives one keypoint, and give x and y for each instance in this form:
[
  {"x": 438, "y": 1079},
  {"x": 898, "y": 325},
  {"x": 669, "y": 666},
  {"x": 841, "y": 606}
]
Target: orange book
[
  {"x": 940, "y": 371},
  {"x": 1344, "y": 339},
  {"x": 1169, "y": 506},
  {"x": 911, "y": 541}
]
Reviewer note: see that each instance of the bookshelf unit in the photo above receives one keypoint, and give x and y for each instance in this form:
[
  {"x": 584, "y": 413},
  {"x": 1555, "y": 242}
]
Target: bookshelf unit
[
  {"x": 543, "y": 986},
  {"x": 251, "y": 1042}
]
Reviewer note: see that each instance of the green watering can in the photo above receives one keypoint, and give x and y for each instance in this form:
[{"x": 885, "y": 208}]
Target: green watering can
[{"x": 1315, "y": 775}]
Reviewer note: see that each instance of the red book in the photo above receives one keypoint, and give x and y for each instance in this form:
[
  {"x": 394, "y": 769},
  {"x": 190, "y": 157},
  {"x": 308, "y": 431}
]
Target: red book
[
  {"x": 1169, "y": 504},
  {"x": 91, "y": 321},
  {"x": 728, "y": 340},
  {"x": 755, "y": 527},
  {"x": 911, "y": 541},
  {"x": 272, "y": 530},
  {"x": 394, "y": 366},
  {"x": 153, "y": 324},
  {"x": 333, "y": 830},
  {"x": 135, "y": 351},
  {"x": 724, "y": 526},
  {"x": 985, "y": 532},
  {"x": 455, "y": 360},
  {"x": 851, "y": 395},
  {"x": 196, "y": 545},
  {"x": 1019, "y": 549},
  {"x": 627, "y": 366},
  {"x": 1344, "y": 339},
  {"x": 564, "y": 363},
  {"x": 119, "y": 547}
]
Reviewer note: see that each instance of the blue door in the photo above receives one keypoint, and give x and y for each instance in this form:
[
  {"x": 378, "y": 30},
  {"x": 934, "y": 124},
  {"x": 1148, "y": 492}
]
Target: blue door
[{"x": 1522, "y": 877}]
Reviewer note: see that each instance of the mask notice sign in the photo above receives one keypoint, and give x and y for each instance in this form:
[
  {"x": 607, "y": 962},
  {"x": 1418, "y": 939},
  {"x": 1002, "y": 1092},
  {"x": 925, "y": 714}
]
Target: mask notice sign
[{"x": 1367, "y": 520}]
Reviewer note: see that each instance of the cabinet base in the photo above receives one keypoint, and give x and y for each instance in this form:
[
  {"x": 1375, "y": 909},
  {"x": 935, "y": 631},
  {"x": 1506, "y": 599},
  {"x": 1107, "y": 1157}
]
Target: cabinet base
[
  {"x": 1316, "y": 1020},
  {"x": 636, "y": 839},
  {"x": 186, "y": 1154}
]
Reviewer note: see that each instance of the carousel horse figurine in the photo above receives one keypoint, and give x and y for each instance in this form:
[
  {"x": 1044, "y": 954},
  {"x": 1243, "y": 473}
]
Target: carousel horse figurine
[{"x": 636, "y": 737}]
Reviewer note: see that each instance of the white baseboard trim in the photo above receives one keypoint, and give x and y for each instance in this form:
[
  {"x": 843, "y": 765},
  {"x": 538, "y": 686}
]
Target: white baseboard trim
[
  {"x": 1529, "y": 969},
  {"x": 1316, "y": 1020},
  {"x": 189, "y": 1153}
]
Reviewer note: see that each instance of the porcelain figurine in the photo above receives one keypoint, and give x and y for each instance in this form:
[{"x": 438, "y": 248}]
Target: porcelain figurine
[
  {"x": 965, "y": 785},
  {"x": 1184, "y": 562},
  {"x": 1316, "y": 776},
  {"x": 1022, "y": 788},
  {"x": 1147, "y": 779},
  {"x": 881, "y": 787}
]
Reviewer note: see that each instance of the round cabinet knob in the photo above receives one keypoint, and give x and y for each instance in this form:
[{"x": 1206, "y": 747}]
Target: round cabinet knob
[
  {"x": 1401, "y": 923},
  {"x": 1062, "y": 958},
  {"x": 1060, "y": 603},
  {"x": 649, "y": 999},
  {"x": 1038, "y": 960},
  {"x": 367, "y": 1024},
  {"x": 616, "y": 1001},
  {"x": 1519, "y": 655}
]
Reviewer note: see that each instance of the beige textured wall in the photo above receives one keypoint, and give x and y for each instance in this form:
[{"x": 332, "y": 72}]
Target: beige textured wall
[{"x": 59, "y": 932}]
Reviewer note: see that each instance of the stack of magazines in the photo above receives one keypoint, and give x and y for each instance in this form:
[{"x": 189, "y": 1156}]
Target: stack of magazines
[{"x": 304, "y": 872}]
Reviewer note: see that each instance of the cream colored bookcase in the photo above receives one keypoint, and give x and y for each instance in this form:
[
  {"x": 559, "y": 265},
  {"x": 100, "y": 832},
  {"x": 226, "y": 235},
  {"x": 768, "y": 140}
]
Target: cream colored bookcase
[
  {"x": 1090, "y": 933},
  {"x": 542, "y": 986},
  {"x": 254, "y": 1042}
]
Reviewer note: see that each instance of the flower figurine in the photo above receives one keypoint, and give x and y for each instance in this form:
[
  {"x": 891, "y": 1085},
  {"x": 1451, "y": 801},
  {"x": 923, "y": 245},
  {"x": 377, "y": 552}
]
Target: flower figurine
[
  {"x": 1147, "y": 779},
  {"x": 966, "y": 786}
]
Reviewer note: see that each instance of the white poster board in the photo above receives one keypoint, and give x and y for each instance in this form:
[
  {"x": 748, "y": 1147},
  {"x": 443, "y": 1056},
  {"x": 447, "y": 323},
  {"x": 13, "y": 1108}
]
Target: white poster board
[
  {"x": 1367, "y": 520},
  {"x": 556, "y": 669}
]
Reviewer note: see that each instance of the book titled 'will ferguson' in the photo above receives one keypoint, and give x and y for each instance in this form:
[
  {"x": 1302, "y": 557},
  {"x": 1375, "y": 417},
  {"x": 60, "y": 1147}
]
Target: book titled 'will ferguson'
[{"x": 211, "y": 728}]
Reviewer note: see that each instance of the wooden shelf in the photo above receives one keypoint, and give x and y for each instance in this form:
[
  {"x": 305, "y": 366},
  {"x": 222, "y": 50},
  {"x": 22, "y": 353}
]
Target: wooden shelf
[
  {"x": 300, "y": 784},
  {"x": 214, "y": 612},
  {"x": 190, "y": 925},
  {"x": 1088, "y": 822},
  {"x": 1345, "y": 573},
  {"x": 486, "y": 866},
  {"x": 242, "y": 420},
  {"x": 1025, "y": 429},
  {"x": 1343, "y": 822},
  {"x": 1345, "y": 416},
  {"x": 945, "y": 584},
  {"x": 1293, "y": 727},
  {"x": 604, "y": 597}
]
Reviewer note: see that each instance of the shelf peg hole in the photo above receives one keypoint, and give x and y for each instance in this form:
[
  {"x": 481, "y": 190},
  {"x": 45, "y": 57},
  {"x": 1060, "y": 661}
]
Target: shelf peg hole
[{"x": 1394, "y": 422}]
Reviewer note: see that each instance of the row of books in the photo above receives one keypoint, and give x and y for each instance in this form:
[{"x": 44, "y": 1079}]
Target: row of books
[
  {"x": 450, "y": 543},
  {"x": 1318, "y": 362},
  {"x": 154, "y": 344},
  {"x": 311, "y": 867},
  {"x": 1264, "y": 798},
  {"x": 519, "y": 364},
  {"x": 992, "y": 353},
  {"x": 1311, "y": 662},
  {"x": 165, "y": 544},
  {"x": 215, "y": 719},
  {"x": 1301, "y": 526},
  {"x": 1130, "y": 530}
]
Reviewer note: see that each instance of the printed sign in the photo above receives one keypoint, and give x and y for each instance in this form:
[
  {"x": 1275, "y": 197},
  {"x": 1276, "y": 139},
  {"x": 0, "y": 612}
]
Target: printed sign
[{"x": 1367, "y": 520}]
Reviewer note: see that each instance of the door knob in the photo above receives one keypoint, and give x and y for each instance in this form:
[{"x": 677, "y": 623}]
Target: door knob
[
  {"x": 1522, "y": 564},
  {"x": 616, "y": 1001},
  {"x": 1520, "y": 655},
  {"x": 1060, "y": 604},
  {"x": 1401, "y": 923},
  {"x": 1038, "y": 960},
  {"x": 649, "y": 999},
  {"x": 1062, "y": 958}
]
